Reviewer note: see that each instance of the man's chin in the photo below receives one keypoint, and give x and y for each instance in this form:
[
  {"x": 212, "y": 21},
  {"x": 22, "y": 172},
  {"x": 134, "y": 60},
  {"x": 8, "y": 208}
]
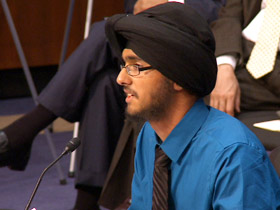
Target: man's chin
[
  {"x": 131, "y": 112},
  {"x": 133, "y": 116}
]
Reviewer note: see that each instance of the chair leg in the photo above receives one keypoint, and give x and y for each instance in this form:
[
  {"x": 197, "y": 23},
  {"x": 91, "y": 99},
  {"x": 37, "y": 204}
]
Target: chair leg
[{"x": 71, "y": 172}]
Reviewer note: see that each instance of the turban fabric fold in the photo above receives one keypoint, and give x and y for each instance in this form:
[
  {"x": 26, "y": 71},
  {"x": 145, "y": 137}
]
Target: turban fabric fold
[{"x": 172, "y": 38}]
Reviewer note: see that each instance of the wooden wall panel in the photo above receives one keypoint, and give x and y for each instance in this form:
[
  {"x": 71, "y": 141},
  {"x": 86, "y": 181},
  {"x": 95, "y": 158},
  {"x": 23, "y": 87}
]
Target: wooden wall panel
[{"x": 40, "y": 25}]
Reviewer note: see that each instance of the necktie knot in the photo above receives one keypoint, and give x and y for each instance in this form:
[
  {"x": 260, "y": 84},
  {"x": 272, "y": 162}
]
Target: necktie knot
[{"x": 161, "y": 158}]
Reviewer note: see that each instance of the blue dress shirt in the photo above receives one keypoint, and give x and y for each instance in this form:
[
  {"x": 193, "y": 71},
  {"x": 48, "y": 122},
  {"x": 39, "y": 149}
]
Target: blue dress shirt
[{"x": 217, "y": 163}]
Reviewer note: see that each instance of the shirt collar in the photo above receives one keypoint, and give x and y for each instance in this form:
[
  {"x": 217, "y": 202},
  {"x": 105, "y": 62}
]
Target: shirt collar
[{"x": 183, "y": 133}]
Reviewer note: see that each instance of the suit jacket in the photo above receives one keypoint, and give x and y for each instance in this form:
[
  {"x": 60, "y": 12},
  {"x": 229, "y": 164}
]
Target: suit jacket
[{"x": 227, "y": 29}]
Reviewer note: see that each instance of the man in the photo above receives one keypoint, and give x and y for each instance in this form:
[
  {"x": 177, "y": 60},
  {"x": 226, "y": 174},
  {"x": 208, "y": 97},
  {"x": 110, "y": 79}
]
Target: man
[
  {"x": 84, "y": 90},
  {"x": 121, "y": 170},
  {"x": 215, "y": 162},
  {"x": 237, "y": 92}
]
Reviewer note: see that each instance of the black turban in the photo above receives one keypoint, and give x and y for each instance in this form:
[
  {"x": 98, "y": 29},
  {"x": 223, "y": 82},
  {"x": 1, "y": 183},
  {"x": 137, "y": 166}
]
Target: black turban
[{"x": 172, "y": 38}]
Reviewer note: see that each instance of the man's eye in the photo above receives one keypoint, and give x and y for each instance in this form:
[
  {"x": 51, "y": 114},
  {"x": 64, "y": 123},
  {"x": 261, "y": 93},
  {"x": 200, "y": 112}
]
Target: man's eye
[
  {"x": 138, "y": 64},
  {"x": 134, "y": 67}
]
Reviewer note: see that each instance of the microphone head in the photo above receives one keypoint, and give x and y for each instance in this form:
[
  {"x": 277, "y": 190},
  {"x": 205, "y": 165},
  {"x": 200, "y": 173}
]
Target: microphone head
[{"x": 72, "y": 144}]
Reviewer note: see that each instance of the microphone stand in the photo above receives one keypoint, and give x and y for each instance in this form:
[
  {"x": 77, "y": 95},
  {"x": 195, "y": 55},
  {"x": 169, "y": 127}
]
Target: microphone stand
[{"x": 41, "y": 177}]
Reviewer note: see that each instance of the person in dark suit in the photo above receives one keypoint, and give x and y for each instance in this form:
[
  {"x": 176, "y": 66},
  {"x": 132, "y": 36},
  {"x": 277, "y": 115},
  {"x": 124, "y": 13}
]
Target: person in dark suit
[{"x": 236, "y": 91}]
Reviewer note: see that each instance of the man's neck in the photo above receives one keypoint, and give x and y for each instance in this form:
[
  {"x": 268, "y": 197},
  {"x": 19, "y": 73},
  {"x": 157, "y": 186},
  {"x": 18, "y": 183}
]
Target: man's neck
[{"x": 172, "y": 117}]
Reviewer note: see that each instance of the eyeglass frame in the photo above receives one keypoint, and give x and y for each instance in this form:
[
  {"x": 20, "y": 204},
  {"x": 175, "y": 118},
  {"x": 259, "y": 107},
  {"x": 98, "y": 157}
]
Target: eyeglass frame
[{"x": 139, "y": 69}]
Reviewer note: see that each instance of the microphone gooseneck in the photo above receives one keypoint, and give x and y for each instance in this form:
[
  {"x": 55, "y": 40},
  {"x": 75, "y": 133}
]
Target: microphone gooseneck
[{"x": 70, "y": 147}]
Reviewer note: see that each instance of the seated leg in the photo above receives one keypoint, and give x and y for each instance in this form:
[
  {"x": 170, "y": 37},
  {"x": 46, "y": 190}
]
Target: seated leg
[{"x": 19, "y": 137}]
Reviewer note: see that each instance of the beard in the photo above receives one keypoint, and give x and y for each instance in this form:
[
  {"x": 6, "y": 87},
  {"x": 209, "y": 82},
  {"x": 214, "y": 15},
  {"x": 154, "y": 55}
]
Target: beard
[{"x": 162, "y": 99}]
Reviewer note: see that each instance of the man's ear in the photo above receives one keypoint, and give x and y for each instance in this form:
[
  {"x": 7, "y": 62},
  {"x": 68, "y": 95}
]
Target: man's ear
[{"x": 177, "y": 87}]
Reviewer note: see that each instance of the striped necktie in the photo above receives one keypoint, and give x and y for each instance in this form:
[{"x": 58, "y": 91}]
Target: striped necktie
[
  {"x": 160, "y": 180},
  {"x": 262, "y": 59}
]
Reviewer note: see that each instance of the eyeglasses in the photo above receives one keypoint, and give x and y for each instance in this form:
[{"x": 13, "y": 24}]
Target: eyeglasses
[{"x": 134, "y": 70}]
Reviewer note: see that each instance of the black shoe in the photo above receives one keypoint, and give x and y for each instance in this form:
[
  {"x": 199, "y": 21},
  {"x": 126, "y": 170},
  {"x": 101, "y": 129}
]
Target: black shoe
[{"x": 15, "y": 159}]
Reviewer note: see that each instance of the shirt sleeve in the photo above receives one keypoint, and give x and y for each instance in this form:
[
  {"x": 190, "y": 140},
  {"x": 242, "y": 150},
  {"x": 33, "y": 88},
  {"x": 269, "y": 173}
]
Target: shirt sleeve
[
  {"x": 245, "y": 179},
  {"x": 227, "y": 59}
]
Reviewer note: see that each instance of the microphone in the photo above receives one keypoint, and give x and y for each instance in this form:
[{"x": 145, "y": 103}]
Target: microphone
[{"x": 70, "y": 147}]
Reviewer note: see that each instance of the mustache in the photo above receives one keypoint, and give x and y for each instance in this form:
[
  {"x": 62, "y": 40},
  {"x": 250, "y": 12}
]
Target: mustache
[{"x": 130, "y": 91}]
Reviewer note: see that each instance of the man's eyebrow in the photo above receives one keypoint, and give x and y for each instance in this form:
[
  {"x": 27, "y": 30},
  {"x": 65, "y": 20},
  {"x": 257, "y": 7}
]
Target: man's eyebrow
[{"x": 132, "y": 58}]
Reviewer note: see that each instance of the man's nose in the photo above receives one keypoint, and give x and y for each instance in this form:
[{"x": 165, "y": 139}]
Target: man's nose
[{"x": 123, "y": 78}]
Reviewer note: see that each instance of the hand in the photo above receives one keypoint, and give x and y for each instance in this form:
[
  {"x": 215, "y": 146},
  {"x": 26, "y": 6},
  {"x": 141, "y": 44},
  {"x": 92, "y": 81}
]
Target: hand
[
  {"x": 226, "y": 94},
  {"x": 125, "y": 204}
]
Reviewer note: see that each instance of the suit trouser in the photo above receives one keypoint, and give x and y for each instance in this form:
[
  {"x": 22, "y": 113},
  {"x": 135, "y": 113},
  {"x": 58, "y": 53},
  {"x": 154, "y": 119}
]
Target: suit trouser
[
  {"x": 101, "y": 122},
  {"x": 100, "y": 126},
  {"x": 85, "y": 90}
]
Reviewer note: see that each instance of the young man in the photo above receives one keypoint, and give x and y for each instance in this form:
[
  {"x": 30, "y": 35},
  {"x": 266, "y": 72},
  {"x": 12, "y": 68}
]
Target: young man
[
  {"x": 97, "y": 102},
  {"x": 210, "y": 160}
]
